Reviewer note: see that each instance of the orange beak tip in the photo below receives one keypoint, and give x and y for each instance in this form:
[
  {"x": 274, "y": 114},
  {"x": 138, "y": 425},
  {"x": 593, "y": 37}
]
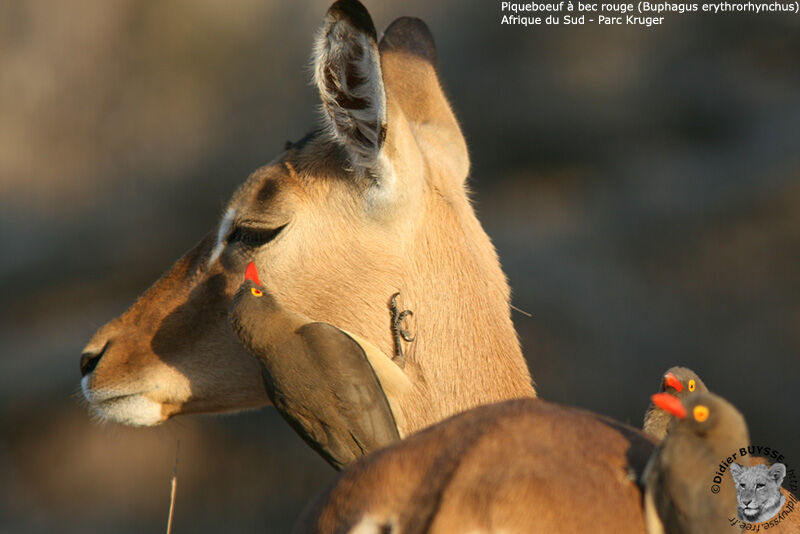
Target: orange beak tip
[
  {"x": 673, "y": 382},
  {"x": 251, "y": 273},
  {"x": 669, "y": 403}
]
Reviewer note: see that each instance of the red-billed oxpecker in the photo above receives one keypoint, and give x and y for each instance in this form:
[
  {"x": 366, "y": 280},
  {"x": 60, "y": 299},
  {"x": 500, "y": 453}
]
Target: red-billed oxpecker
[
  {"x": 682, "y": 495},
  {"x": 677, "y": 381},
  {"x": 318, "y": 376}
]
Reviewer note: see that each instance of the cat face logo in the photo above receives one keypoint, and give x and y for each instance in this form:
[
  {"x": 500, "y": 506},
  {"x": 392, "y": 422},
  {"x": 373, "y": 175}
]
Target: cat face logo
[{"x": 758, "y": 491}]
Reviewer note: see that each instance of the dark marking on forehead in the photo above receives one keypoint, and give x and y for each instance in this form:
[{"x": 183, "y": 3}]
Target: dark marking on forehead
[
  {"x": 315, "y": 154},
  {"x": 268, "y": 190}
]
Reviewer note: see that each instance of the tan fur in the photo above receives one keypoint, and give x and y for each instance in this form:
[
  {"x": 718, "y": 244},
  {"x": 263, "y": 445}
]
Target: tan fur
[{"x": 348, "y": 245}]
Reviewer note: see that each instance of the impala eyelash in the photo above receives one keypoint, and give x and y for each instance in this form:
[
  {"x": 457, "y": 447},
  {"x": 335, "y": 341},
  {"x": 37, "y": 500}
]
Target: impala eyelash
[{"x": 251, "y": 237}]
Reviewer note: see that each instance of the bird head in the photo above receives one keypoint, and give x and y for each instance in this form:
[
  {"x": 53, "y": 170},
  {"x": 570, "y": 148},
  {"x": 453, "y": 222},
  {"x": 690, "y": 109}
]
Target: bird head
[
  {"x": 251, "y": 275},
  {"x": 250, "y": 304},
  {"x": 681, "y": 381},
  {"x": 708, "y": 416}
]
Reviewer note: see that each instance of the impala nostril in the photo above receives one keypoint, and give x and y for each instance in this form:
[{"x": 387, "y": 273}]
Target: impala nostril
[{"x": 90, "y": 359}]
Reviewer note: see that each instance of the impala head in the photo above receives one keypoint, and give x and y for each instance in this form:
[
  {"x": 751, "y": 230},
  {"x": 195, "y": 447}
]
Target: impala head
[{"x": 371, "y": 202}]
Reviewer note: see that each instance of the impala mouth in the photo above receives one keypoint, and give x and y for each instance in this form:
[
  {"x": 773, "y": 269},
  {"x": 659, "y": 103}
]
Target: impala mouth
[{"x": 132, "y": 409}]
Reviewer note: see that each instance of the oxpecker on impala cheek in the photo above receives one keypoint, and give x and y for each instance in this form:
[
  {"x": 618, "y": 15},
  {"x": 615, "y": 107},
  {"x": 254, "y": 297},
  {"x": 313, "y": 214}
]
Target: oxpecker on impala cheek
[{"x": 318, "y": 377}]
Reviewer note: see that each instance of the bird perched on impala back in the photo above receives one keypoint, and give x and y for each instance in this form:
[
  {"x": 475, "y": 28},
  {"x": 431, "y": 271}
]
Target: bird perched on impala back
[
  {"x": 681, "y": 382},
  {"x": 677, "y": 381},
  {"x": 679, "y": 479},
  {"x": 317, "y": 376}
]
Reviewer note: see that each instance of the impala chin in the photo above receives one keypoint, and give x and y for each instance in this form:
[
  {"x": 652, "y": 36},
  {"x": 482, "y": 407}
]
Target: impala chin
[{"x": 130, "y": 409}]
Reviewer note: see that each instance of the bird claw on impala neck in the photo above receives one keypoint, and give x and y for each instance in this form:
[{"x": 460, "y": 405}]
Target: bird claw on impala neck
[{"x": 399, "y": 334}]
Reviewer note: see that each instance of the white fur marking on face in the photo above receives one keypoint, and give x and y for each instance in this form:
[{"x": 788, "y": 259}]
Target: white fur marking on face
[
  {"x": 134, "y": 411},
  {"x": 85, "y": 387},
  {"x": 224, "y": 227},
  {"x": 373, "y": 525}
]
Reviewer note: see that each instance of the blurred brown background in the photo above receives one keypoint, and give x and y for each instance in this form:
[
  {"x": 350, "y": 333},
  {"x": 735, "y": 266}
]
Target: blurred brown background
[{"x": 642, "y": 187}]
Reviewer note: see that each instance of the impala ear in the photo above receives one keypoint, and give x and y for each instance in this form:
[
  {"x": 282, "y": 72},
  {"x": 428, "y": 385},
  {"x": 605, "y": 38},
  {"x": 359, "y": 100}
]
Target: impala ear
[
  {"x": 410, "y": 35},
  {"x": 347, "y": 72}
]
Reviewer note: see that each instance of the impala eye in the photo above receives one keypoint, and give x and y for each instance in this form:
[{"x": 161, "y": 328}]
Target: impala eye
[
  {"x": 692, "y": 385},
  {"x": 251, "y": 237},
  {"x": 759, "y": 485}
]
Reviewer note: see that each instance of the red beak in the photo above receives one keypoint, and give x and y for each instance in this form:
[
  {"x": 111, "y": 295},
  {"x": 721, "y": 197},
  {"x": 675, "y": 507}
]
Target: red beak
[
  {"x": 251, "y": 273},
  {"x": 672, "y": 381},
  {"x": 669, "y": 403}
]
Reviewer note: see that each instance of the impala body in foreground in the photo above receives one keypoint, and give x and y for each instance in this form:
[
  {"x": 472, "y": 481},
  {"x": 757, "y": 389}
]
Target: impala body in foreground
[{"x": 515, "y": 467}]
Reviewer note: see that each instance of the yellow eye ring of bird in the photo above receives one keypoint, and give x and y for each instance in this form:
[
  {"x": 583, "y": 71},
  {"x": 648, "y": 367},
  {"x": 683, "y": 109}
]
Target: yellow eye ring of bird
[
  {"x": 691, "y": 385},
  {"x": 700, "y": 413},
  {"x": 256, "y": 292}
]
